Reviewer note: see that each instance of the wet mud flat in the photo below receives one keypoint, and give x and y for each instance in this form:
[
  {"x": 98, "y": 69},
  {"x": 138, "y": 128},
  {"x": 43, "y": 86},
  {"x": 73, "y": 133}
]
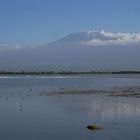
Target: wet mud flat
[
  {"x": 60, "y": 109},
  {"x": 128, "y": 91}
]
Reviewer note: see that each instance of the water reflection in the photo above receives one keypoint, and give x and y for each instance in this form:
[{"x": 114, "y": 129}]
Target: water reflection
[{"x": 25, "y": 115}]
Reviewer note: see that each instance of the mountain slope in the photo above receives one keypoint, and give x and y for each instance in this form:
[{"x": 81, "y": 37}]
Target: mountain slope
[{"x": 83, "y": 51}]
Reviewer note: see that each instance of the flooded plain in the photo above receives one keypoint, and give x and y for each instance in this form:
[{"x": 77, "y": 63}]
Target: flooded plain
[{"x": 61, "y": 107}]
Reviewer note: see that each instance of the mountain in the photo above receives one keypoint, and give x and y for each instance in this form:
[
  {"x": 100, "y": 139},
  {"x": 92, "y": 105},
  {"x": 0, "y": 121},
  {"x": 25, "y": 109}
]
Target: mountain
[{"x": 82, "y": 51}]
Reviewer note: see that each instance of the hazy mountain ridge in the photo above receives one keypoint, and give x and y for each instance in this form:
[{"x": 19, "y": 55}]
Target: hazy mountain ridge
[{"x": 82, "y": 51}]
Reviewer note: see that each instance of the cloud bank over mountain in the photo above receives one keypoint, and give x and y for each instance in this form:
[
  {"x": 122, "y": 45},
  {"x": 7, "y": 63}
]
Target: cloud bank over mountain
[
  {"x": 112, "y": 39},
  {"x": 80, "y": 51}
]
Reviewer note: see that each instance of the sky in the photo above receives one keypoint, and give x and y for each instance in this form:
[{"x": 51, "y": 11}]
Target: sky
[{"x": 38, "y": 22}]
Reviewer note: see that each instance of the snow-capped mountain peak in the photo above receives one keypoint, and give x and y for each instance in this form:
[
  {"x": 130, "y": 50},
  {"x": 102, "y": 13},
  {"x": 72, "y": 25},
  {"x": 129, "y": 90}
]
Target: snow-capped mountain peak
[{"x": 89, "y": 50}]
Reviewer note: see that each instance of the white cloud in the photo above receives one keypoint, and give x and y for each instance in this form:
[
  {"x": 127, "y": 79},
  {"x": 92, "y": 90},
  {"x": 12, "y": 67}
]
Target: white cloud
[{"x": 113, "y": 39}]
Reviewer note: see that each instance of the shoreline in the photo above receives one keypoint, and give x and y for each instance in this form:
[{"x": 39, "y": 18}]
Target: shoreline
[{"x": 63, "y": 73}]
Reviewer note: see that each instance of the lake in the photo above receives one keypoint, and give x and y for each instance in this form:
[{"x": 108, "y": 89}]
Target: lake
[{"x": 60, "y": 107}]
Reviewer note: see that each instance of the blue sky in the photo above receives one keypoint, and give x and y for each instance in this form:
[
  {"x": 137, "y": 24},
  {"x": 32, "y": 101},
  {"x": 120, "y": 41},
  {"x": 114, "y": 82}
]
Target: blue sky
[{"x": 36, "y": 22}]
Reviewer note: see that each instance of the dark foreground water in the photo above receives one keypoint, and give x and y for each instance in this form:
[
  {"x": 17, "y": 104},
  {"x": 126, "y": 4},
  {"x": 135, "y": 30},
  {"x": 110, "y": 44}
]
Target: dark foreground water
[{"x": 25, "y": 114}]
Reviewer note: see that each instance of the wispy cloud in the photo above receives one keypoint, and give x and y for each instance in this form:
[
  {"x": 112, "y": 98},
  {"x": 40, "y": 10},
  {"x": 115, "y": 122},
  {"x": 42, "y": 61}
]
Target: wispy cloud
[
  {"x": 3, "y": 45},
  {"x": 113, "y": 39}
]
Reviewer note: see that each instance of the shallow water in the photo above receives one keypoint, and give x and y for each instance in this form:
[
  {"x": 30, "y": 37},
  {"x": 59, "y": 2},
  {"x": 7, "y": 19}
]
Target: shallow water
[{"x": 25, "y": 115}]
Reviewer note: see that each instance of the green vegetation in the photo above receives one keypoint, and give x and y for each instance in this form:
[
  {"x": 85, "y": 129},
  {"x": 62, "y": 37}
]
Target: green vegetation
[
  {"x": 94, "y": 127},
  {"x": 66, "y": 72},
  {"x": 69, "y": 91}
]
